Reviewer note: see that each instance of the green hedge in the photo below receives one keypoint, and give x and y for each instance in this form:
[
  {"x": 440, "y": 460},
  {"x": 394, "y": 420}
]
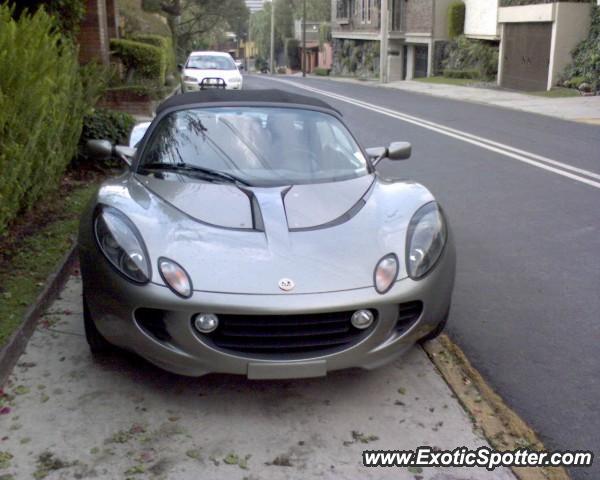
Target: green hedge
[
  {"x": 106, "y": 124},
  {"x": 141, "y": 60},
  {"x": 165, "y": 44},
  {"x": 585, "y": 67},
  {"x": 456, "y": 19},
  {"x": 468, "y": 73},
  {"x": 323, "y": 72},
  {"x": 43, "y": 97},
  {"x": 479, "y": 56}
]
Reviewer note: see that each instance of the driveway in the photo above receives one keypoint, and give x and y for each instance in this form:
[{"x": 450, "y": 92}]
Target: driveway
[{"x": 75, "y": 417}]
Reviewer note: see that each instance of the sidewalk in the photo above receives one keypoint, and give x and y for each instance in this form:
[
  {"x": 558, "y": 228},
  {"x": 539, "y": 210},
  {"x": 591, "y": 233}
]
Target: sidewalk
[
  {"x": 120, "y": 417},
  {"x": 579, "y": 109}
]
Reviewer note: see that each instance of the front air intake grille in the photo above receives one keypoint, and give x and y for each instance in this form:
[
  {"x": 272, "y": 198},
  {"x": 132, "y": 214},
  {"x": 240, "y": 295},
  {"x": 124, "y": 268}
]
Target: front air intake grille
[
  {"x": 408, "y": 314},
  {"x": 151, "y": 320},
  {"x": 280, "y": 334}
]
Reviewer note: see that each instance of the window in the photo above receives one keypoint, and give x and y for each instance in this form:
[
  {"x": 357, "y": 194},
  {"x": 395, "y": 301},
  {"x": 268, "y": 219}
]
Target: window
[
  {"x": 263, "y": 146},
  {"x": 369, "y": 9},
  {"x": 342, "y": 7},
  {"x": 363, "y": 13}
]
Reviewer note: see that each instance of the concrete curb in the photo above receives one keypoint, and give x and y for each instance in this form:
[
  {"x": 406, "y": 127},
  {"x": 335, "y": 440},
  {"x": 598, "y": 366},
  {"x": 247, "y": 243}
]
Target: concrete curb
[
  {"x": 500, "y": 424},
  {"x": 14, "y": 347}
]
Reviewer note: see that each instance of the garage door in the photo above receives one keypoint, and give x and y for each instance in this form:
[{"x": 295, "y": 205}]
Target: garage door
[{"x": 526, "y": 55}]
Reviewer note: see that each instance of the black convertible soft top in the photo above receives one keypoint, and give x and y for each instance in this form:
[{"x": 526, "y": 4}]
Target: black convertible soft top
[{"x": 242, "y": 97}]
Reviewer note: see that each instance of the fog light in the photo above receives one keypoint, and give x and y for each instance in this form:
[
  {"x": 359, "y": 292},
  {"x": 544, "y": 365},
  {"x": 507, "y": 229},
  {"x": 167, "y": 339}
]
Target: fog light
[
  {"x": 362, "y": 319},
  {"x": 206, "y": 322}
]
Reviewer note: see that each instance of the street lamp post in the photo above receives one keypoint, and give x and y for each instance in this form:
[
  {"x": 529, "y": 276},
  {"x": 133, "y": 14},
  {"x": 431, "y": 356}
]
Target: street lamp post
[
  {"x": 304, "y": 38},
  {"x": 272, "y": 64}
]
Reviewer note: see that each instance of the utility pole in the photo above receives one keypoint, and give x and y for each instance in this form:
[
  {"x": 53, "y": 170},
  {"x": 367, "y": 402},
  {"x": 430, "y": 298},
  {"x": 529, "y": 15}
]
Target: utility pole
[
  {"x": 304, "y": 38},
  {"x": 383, "y": 44},
  {"x": 272, "y": 64},
  {"x": 246, "y": 50}
]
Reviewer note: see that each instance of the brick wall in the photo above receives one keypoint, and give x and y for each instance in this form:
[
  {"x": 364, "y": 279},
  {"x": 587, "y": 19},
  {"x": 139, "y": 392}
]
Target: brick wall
[
  {"x": 419, "y": 16},
  {"x": 93, "y": 33},
  {"x": 112, "y": 18}
]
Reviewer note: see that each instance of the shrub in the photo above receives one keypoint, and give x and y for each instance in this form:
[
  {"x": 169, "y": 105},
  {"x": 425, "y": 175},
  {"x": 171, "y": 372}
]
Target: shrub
[
  {"x": 585, "y": 67},
  {"x": 323, "y": 72},
  {"x": 456, "y": 19},
  {"x": 479, "y": 55},
  {"x": 292, "y": 53},
  {"x": 43, "y": 97},
  {"x": 141, "y": 61},
  {"x": 165, "y": 44},
  {"x": 450, "y": 73},
  {"x": 107, "y": 124},
  {"x": 67, "y": 13},
  {"x": 260, "y": 64}
]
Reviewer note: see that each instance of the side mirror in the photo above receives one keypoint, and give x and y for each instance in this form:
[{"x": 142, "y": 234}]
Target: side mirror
[
  {"x": 399, "y": 150},
  {"x": 104, "y": 150},
  {"x": 180, "y": 66},
  {"x": 99, "y": 149},
  {"x": 125, "y": 153},
  {"x": 375, "y": 153},
  {"x": 396, "y": 151}
]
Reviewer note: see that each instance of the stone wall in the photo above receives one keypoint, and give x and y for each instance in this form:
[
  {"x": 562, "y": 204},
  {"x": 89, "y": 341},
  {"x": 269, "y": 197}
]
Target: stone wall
[{"x": 359, "y": 58}]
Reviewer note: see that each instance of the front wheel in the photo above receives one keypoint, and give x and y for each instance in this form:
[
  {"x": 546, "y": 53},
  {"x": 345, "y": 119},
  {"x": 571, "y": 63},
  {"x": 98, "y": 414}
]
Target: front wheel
[
  {"x": 437, "y": 331},
  {"x": 98, "y": 344}
]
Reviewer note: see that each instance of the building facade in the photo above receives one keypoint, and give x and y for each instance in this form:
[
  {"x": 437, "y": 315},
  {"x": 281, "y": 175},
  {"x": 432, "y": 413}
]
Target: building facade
[
  {"x": 100, "y": 24},
  {"x": 537, "y": 41},
  {"x": 481, "y": 19},
  {"x": 389, "y": 39}
]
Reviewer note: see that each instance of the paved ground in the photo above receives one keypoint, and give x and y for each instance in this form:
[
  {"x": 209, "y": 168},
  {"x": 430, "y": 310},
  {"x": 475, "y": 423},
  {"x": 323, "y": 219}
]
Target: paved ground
[
  {"x": 123, "y": 417},
  {"x": 581, "y": 109},
  {"x": 526, "y": 304}
]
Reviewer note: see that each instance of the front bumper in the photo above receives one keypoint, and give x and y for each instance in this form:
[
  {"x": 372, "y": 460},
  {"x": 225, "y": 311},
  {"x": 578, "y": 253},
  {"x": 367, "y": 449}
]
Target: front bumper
[
  {"x": 113, "y": 300},
  {"x": 195, "y": 86}
]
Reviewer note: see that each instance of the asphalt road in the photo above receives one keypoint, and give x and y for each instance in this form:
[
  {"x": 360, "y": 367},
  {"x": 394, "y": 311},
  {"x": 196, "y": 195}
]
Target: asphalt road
[{"x": 526, "y": 308}]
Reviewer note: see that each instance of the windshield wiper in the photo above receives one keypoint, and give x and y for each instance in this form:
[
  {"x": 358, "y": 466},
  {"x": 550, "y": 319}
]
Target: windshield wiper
[{"x": 186, "y": 167}]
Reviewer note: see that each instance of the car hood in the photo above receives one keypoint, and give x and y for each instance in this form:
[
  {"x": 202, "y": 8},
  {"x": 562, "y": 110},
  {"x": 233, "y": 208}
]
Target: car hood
[
  {"x": 200, "y": 74},
  {"x": 325, "y": 237}
]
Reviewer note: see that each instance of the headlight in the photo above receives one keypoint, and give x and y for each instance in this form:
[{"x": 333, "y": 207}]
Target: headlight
[
  {"x": 235, "y": 80},
  {"x": 187, "y": 78},
  {"x": 386, "y": 273},
  {"x": 175, "y": 277},
  {"x": 122, "y": 245},
  {"x": 425, "y": 240}
]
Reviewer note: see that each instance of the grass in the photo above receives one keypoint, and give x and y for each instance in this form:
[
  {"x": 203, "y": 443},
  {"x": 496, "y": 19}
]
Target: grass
[
  {"x": 557, "y": 92},
  {"x": 463, "y": 82},
  {"x": 36, "y": 255}
]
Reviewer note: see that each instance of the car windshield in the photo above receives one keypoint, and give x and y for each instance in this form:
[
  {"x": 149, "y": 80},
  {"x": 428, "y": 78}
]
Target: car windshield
[
  {"x": 211, "y": 62},
  {"x": 256, "y": 146}
]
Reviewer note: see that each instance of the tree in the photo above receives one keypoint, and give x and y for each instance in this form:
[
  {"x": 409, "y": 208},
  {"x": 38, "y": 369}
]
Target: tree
[
  {"x": 260, "y": 27},
  {"x": 316, "y": 10},
  {"x": 194, "y": 23}
]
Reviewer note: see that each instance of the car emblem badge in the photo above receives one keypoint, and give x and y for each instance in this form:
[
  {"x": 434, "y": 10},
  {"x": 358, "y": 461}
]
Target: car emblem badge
[{"x": 286, "y": 284}]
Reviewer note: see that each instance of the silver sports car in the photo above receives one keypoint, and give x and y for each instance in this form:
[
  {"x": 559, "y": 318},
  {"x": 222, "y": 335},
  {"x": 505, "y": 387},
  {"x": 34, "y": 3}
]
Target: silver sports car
[{"x": 252, "y": 234}]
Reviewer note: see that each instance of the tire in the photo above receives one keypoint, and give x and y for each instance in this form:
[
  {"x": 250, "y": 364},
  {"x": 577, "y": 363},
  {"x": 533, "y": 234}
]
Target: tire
[
  {"x": 98, "y": 344},
  {"x": 437, "y": 331}
]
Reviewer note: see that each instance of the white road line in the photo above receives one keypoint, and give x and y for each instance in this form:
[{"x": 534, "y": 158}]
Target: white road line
[{"x": 533, "y": 159}]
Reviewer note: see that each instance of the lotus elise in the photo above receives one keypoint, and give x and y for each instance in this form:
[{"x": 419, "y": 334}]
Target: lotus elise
[{"x": 252, "y": 234}]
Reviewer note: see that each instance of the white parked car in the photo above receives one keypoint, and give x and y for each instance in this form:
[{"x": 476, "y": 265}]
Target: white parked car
[{"x": 204, "y": 70}]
